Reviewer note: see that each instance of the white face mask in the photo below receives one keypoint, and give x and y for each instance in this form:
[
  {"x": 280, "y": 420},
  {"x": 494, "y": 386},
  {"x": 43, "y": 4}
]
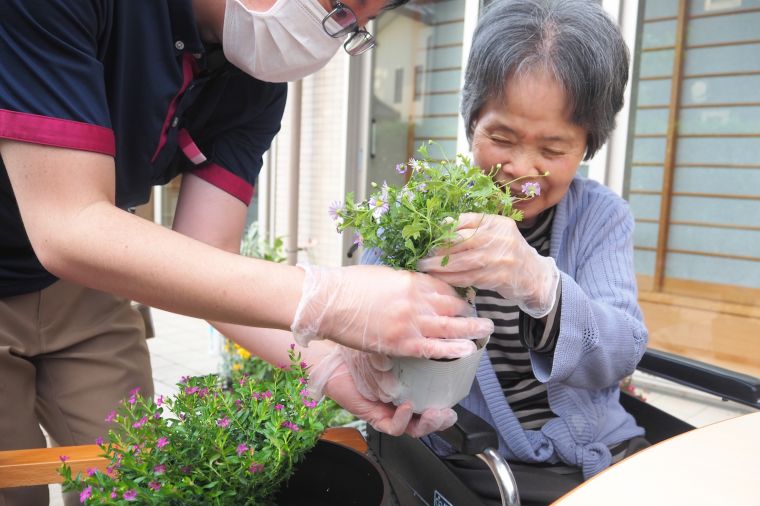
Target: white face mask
[{"x": 285, "y": 43}]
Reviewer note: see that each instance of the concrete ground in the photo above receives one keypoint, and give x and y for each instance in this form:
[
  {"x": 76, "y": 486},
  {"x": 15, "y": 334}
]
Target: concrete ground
[{"x": 185, "y": 346}]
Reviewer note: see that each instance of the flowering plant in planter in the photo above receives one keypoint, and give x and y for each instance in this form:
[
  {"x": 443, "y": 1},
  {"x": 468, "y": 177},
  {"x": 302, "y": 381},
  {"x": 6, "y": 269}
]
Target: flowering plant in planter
[
  {"x": 406, "y": 223},
  {"x": 208, "y": 444}
]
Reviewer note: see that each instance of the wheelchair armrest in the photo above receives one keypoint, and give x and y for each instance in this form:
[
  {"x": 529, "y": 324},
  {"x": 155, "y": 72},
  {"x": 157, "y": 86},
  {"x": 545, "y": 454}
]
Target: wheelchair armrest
[
  {"x": 470, "y": 435},
  {"x": 708, "y": 378}
]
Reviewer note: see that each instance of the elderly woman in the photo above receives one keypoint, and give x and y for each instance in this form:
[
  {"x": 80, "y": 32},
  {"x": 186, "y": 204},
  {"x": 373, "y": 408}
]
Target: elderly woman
[{"x": 544, "y": 81}]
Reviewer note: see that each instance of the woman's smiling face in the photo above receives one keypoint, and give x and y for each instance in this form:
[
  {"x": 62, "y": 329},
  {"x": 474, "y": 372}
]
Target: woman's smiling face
[{"x": 529, "y": 132}]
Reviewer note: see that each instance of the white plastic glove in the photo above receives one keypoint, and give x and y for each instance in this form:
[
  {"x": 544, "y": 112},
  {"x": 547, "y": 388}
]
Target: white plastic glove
[
  {"x": 331, "y": 376},
  {"x": 382, "y": 310},
  {"x": 491, "y": 254}
]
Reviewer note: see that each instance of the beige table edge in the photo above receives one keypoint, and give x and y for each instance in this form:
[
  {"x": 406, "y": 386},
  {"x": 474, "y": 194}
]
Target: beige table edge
[{"x": 717, "y": 464}]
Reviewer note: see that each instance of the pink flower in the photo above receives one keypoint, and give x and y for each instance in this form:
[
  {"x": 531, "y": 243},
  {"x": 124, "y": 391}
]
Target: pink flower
[
  {"x": 255, "y": 468},
  {"x": 267, "y": 395},
  {"x": 292, "y": 346},
  {"x": 186, "y": 469},
  {"x": 223, "y": 422},
  {"x": 114, "y": 495},
  {"x": 159, "y": 469},
  {"x": 111, "y": 416},
  {"x": 130, "y": 495},
  {"x": 241, "y": 449},
  {"x": 309, "y": 403},
  {"x": 156, "y": 415},
  {"x": 302, "y": 381},
  {"x": 531, "y": 189},
  {"x": 162, "y": 441},
  {"x": 91, "y": 471},
  {"x": 64, "y": 458},
  {"x": 191, "y": 390},
  {"x": 134, "y": 391},
  {"x": 290, "y": 425},
  {"x": 278, "y": 407},
  {"x": 304, "y": 365},
  {"x": 139, "y": 423},
  {"x": 154, "y": 485},
  {"x": 99, "y": 441},
  {"x": 160, "y": 400},
  {"x": 85, "y": 494}
]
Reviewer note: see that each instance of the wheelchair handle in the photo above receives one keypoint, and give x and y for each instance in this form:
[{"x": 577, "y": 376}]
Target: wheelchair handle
[{"x": 504, "y": 477}]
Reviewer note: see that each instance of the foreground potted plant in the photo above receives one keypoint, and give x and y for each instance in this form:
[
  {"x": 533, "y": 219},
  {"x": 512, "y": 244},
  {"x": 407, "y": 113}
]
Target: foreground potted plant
[
  {"x": 214, "y": 444},
  {"x": 404, "y": 224}
]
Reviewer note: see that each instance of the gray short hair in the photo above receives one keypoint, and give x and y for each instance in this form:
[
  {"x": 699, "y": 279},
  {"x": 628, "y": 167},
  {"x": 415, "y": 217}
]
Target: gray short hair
[{"x": 574, "y": 40}]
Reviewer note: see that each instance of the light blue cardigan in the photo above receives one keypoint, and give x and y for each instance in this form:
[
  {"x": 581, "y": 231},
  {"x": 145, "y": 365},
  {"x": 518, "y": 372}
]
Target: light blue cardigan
[{"x": 602, "y": 338}]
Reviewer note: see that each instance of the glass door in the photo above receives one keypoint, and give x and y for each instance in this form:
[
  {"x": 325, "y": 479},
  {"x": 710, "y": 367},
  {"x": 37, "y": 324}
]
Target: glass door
[{"x": 416, "y": 75}]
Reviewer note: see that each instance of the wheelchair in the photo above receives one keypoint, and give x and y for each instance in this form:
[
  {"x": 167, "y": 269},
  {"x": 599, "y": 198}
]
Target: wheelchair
[{"x": 419, "y": 477}]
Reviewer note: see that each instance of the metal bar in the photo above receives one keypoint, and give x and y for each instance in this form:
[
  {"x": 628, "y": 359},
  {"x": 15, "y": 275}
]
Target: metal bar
[
  {"x": 742, "y": 73},
  {"x": 703, "y": 136},
  {"x": 695, "y": 194},
  {"x": 724, "y": 13},
  {"x": 751, "y": 166},
  {"x": 670, "y": 149},
  {"x": 293, "y": 172}
]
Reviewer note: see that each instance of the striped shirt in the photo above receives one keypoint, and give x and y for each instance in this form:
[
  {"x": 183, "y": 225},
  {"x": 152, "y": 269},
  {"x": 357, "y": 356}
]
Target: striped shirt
[{"x": 515, "y": 333}]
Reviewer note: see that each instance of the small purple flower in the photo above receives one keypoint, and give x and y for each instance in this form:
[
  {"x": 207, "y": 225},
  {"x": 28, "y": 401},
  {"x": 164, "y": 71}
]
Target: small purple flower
[
  {"x": 422, "y": 187},
  {"x": 304, "y": 365},
  {"x": 184, "y": 379},
  {"x": 309, "y": 403},
  {"x": 64, "y": 458},
  {"x": 162, "y": 441},
  {"x": 159, "y": 469},
  {"x": 160, "y": 400},
  {"x": 278, "y": 407},
  {"x": 130, "y": 495},
  {"x": 99, "y": 441},
  {"x": 379, "y": 204},
  {"x": 134, "y": 391},
  {"x": 255, "y": 468},
  {"x": 111, "y": 416},
  {"x": 155, "y": 486},
  {"x": 191, "y": 390},
  {"x": 531, "y": 189},
  {"x": 302, "y": 381},
  {"x": 114, "y": 495},
  {"x": 91, "y": 471},
  {"x": 139, "y": 423},
  {"x": 401, "y": 168},
  {"x": 334, "y": 210},
  {"x": 223, "y": 422},
  {"x": 186, "y": 469},
  {"x": 85, "y": 494},
  {"x": 415, "y": 164},
  {"x": 241, "y": 449},
  {"x": 290, "y": 425},
  {"x": 156, "y": 415},
  {"x": 267, "y": 395},
  {"x": 358, "y": 239}
]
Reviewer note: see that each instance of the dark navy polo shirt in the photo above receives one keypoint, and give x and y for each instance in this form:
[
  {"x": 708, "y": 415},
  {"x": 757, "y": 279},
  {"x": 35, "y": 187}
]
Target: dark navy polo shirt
[{"x": 131, "y": 79}]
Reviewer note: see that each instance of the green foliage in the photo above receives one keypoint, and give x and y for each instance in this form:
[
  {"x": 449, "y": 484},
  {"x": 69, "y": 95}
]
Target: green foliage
[
  {"x": 406, "y": 223},
  {"x": 209, "y": 444},
  {"x": 254, "y": 246},
  {"x": 237, "y": 362}
]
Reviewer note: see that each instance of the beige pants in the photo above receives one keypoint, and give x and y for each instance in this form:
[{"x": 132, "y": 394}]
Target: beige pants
[{"x": 68, "y": 355}]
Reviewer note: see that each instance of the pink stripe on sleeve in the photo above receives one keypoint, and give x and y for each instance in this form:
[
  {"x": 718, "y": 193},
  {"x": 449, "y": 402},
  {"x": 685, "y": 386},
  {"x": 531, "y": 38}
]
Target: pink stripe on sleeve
[
  {"x": 227, "y": 181},
  {"x": 62, "y": 133}
]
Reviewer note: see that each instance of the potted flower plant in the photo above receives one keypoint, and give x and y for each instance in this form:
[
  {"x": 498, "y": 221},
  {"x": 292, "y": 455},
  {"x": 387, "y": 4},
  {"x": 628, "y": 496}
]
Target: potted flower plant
[{"x": 405, "y": 224}]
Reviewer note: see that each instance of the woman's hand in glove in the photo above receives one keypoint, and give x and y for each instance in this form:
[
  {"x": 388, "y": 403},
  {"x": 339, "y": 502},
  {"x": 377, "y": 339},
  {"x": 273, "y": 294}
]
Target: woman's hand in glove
[
  {"x": 382, "y": 310},
  {"x": 490, "y": 253}
]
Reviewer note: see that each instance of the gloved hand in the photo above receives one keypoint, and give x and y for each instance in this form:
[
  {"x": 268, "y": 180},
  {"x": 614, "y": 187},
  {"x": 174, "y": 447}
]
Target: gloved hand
[
  {"x": 333, "y": 376},
  {"x": 382, "y": 310},
  {"x": 491, "y": 254}
]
